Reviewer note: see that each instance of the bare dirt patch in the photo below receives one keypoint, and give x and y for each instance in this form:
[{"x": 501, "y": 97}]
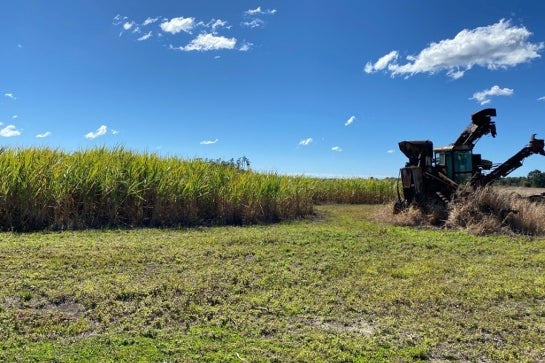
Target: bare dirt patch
[{"x": 360, "y": 327}]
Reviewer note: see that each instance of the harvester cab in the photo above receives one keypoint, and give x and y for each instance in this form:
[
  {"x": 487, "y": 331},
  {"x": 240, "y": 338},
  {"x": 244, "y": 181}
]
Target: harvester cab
[
  {"x": 455, "y": 163},
  {"x": 436, "y": 173}
]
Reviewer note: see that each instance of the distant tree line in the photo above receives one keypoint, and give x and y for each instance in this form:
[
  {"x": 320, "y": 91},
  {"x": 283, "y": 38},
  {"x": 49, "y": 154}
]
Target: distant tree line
[
  {"x": 242, "y": 163},
  {"x": 535, "y": 179}
]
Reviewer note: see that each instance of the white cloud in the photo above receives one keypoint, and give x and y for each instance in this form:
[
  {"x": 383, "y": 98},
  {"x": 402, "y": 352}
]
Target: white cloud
[
  {"x": 218, "y": 23},
  {"x": 207, "y": 34},
  {"x": 15, "y": 116},
  {"x": 306, "y": 142},
  {"x": 115, "y": 132},
  {"x": 483, "y": 97},
  {"x": 246, "y": 47},
  {"x": 99, "y": 132},
  {"x": 350, "y": 121},
  {"x": 209, "y": 142},
  {"x": 254, "y": 23},
  {"x": 500, "y": 45},
  {"x": 10, "y": 131},
  {"x": 259, "y": 11},
  {"x": 337, "y": 149},
  {"x": 118, "y": 19},
  {"x": 145, "y": 36},
  {"x": 128, "y": 25},
  {"x": 381, "y": 63},
  {"x": 541, "y": 98},
  {"x": 207, "y": 42},
  {"x": 149, "y": 21},
  {"x": 176, "y": 25},
  {"x": 391, "y": 151},
  {"x": 253, "y": 11},
  {"x": 44, "y": 135},
  {"x": 10, "y": 95}
]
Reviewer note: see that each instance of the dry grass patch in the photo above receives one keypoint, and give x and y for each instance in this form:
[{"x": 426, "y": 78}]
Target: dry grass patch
[
  {"x": 433, "y": 216},
  {"x": 493, "y": 210},
  {"x": 485, "y": 211}
]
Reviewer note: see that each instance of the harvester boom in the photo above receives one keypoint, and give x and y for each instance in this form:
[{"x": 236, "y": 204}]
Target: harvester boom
[
  {"x": 481, "y": 124},
  {"x": 536, "y": 146}
]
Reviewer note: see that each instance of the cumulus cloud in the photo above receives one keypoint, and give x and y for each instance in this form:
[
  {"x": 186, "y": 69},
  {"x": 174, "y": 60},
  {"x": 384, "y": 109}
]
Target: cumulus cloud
[
  {"x": 337, "y": 149},
  {"x": 44, "y": 135},
  {"x": 541, "y": 98},
  {"x": 10, "y": 95},
  {"x": 382, "y": 62},
  {"x": 10, "y": 131},
  {"x": 209, "y": 142},
  {"x": 496, "y": 46},
  {"x": 483, "y": 97},
  {"x": 306, "y": 142},
  {"x": 391, "y": 151},
  {"x": 215, "y": 24},
  {"x": 350, "y": 121},
  {"x": 101, "y": 131},
  {"x": 179, "y": 24},
  {"x": 208, "y": 42},
  {"x": 207, "y": 35},
  {"x": 128, "y": 25}
]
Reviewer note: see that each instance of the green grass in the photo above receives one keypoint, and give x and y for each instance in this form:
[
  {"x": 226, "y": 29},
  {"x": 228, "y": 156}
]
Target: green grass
[{"x": 334, "y": 288}]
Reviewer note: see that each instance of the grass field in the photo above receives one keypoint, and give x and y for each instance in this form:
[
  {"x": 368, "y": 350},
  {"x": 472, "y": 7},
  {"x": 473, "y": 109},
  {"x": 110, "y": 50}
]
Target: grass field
[{"x": 333, "y": 288}]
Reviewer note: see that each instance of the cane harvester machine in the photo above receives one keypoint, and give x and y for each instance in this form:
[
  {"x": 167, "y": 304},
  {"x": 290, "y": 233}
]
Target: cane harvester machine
[{"x": 436, "y": 173}]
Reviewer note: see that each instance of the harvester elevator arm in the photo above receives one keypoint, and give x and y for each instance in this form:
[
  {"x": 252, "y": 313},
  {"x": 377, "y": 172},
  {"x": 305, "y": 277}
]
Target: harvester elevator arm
[{"x": 534, "y": 147}]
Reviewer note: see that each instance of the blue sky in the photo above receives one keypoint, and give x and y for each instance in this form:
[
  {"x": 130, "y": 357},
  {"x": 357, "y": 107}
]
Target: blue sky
[{"x": 298, "y": 87}]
